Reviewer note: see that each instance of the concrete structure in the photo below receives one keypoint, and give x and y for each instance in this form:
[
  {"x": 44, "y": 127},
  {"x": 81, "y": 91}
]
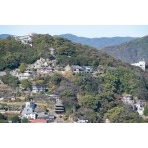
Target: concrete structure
[
  {"x": 26, "y": 39},
  {"x": 141, "y": 64}
]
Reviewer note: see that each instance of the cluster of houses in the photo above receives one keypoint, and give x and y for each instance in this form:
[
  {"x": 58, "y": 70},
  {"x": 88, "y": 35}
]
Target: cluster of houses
[
  {"x": 84, "y": 69},
  {"x": 29, "y": 112},
  {"x": 41, "y": 67},
  {"x": 137, "y": 105},
  {"x": 45, "y": 67},
  {"x": 21, "y": 76}
]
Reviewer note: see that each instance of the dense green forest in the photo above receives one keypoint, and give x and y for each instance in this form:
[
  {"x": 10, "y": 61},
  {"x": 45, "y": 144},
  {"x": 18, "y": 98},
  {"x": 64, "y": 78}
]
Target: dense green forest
[{"x": 82, "y": 94}]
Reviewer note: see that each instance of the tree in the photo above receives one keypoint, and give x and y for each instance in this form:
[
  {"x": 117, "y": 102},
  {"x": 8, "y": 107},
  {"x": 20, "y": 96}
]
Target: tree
[
  {"x": 15, "y": 119},
  {"x": 22, "y": 67},
  {"x": 146, "y": 110},
  {"x": 89, "y": 101},
  {"x": 56, "y": 79},
  {"x": 3, "y": 117},
  {"x": 68, "y": 93},
  {"x": 122, "y": 115},
  {"x": 25, "y": 120},
  {"x": 26, "y": 84},
  {"x": 10, "y": 80}
]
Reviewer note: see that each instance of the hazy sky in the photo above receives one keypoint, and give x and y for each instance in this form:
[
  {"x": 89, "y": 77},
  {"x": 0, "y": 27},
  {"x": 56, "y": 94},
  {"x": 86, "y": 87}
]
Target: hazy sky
[{"x": 79, "y": 30}]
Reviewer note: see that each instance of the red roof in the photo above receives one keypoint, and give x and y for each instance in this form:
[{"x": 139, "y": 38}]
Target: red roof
[{"x": 38, "y": 121}]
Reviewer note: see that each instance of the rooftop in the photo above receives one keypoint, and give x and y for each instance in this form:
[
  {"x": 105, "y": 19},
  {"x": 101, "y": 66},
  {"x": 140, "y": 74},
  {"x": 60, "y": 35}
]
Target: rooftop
[{"x": 38, "y": 121}]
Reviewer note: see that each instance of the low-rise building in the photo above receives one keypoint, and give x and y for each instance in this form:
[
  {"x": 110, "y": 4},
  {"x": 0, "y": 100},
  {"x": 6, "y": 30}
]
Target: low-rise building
[
  {"x": 140, "y": 64},
  {"x": 82, "y": 121},
  {"x": 81, "y": 69},
  {"x": 28, "y": 112},
  {"x": 38, "y": 88}
]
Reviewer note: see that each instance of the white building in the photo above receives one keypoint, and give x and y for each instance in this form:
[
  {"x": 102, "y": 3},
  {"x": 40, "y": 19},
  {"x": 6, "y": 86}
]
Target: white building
[
  {"x": 140, "y": 109},
  {"x": 24, "y": 75},
  {"x": 38, "y": 88},
  {"x": 128, "y": 99},
  {"x": 24, "y": 39},
  {"x": 82, "y": 121},
  {"x": 52, "y": 51},
  {"x": 141, "y": 64},
  {"x": 107, "y": 121},
  {"x": 28, "y": 112}
]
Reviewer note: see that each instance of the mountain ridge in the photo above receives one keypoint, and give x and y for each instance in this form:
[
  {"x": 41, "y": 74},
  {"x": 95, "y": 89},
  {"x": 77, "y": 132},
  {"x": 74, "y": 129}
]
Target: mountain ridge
[
  {"x": 97, "y": 42},
  {"x": 4, "y": 36}
]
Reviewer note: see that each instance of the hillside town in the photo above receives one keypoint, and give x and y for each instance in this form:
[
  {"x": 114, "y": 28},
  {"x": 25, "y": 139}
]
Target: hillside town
[{"x": 37, "y": 103}]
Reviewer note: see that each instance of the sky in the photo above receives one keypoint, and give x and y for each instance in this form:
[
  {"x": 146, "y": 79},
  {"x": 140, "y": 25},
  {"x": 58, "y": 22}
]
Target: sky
[{"x": 90, "y": 31}]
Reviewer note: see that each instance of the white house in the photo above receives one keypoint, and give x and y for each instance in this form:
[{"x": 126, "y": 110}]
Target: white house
[
  {"x": 38, "y": 88},
  {"x": 24, "y": 75},
  {"x": 28, "y": 112},
  {"x": 77, "y": 69},
  {"x": 140, "y": 109},
  {"x": 82, "y": 121},
  {"x": 128, "y": 99},
  {"x": 141, "y": 64}
]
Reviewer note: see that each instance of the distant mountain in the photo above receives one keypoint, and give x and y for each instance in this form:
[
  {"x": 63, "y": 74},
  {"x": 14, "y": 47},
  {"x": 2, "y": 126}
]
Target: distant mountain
[
  {"x": 97, "y": 42},
  {"x": 131, "y": 51},
  {"x": 4, "y": 36}
]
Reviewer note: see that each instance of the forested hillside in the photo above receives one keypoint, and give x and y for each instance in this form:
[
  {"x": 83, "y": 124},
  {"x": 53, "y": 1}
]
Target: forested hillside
[{"x": 130, "y": 52}]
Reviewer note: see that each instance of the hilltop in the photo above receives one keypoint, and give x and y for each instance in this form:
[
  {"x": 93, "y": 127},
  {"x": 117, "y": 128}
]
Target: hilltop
[
  {"x": 97, "y": 42},
  {"x": 130, "y": 52}
]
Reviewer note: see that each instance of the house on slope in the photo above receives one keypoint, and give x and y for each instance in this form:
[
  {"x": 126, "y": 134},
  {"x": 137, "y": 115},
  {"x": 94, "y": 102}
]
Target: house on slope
[
  {"x": 28, "y": 112},
  {"x": 140, "y": 64},
  {"x": 38, "y": 88}
]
